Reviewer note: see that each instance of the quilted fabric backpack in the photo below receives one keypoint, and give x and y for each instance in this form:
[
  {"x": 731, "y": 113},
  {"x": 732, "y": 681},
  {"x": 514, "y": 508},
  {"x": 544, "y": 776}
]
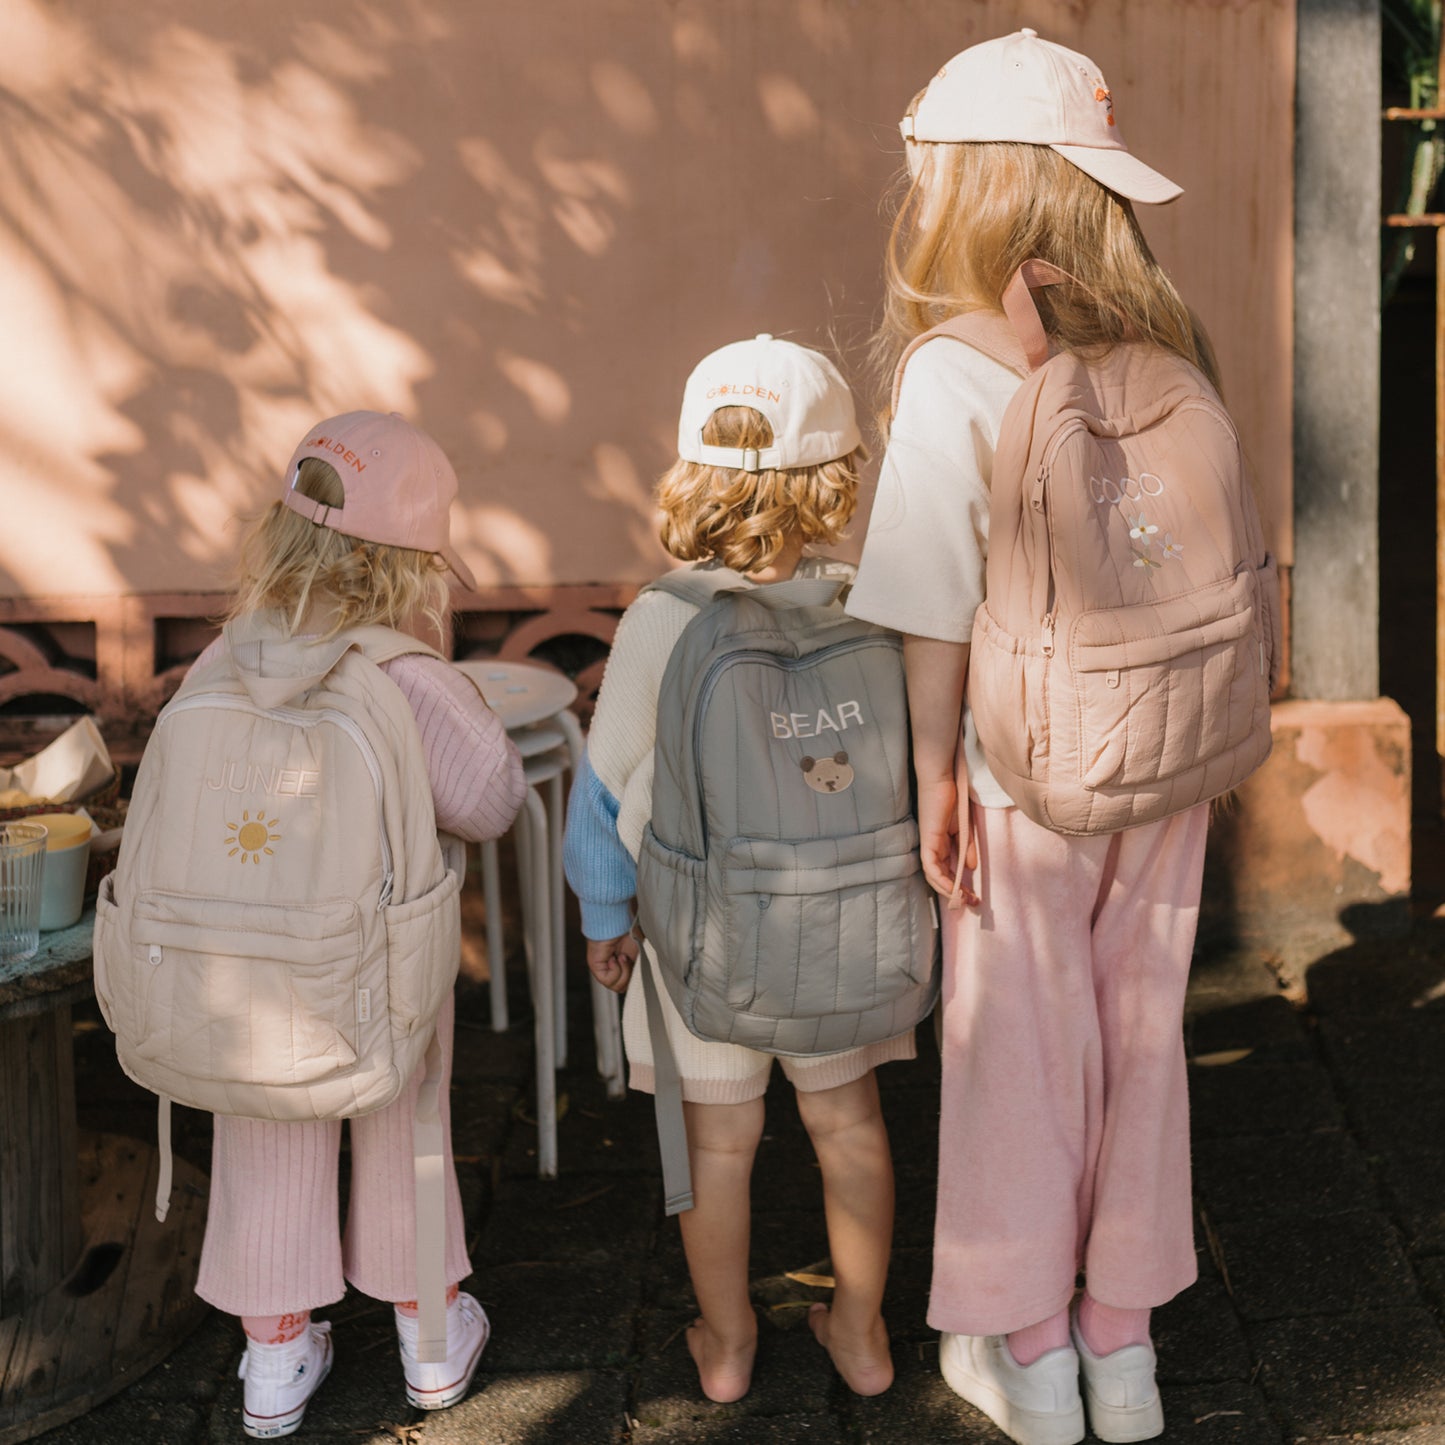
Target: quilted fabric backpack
[
  {"x": 281, "y": 927},
  {"x": 1124, "y": 656},
  {"x": 779, "y": 881}
]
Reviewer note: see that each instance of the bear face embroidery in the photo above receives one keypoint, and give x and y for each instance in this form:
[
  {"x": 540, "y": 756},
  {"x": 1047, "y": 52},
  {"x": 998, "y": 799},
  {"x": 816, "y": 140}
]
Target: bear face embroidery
[{"x": 828, "y": 775}]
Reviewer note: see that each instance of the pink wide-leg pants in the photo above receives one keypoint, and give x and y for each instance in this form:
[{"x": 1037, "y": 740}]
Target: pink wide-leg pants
[
  {"x": 1064, "y": 1133},
  {"x": 273, "y": 1241}
]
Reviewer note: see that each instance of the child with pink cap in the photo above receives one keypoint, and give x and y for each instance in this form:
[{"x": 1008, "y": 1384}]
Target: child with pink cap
[
  {"x": 358, "y": 537},
  {"x": 1064, "y": 1141}
]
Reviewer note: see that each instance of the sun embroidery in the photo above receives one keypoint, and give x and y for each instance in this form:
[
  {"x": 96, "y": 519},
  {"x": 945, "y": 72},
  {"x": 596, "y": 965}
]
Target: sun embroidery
[{"x": 251, "y": 836}]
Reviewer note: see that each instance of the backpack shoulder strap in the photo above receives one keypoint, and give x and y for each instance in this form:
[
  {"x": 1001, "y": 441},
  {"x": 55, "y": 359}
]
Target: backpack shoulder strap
[
  {"x": 985, "y": 331},
  {"x": 381, "y": 644},
  {"x": 1015, "y": 337},
  {"x": 699, "y": 585}
]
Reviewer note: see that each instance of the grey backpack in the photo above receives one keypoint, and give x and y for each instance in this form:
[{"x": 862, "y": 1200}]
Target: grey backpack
[{"x": 779, "y": 881}]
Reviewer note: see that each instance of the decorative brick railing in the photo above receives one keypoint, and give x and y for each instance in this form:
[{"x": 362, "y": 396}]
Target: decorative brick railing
[{"x": 120, "y": 658}]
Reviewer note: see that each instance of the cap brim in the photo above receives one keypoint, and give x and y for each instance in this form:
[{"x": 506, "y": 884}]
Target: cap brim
[
  {"x": 460, "y": 570},
  {"x": 1121, "y": 172}
]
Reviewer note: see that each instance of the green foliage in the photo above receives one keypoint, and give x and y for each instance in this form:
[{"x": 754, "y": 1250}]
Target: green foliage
[{"x": 1411, "y": 57}]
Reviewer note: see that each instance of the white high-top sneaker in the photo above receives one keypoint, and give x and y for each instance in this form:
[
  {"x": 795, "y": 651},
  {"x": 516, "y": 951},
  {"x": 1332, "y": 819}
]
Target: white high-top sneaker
[
  {"x": 1124, "y": 1403},
  {"x": 432, "y": 1386},
  {"x": 281, "y": 1379},
  {"x": 1035, "y": 1404}
]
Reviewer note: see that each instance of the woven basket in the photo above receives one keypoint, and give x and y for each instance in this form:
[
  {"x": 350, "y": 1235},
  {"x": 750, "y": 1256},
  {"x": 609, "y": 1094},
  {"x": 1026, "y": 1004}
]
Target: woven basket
[{"x": 104, "y": 796}]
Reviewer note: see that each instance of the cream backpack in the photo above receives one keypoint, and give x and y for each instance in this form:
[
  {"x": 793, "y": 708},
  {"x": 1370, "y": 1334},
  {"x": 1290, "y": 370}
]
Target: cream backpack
[
  {"x": 282, "y": 926},
  {"x": 1124, "y": 656}
]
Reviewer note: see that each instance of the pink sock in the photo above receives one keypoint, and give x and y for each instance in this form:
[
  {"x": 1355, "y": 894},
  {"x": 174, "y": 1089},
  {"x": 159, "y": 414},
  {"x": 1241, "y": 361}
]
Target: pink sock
[
  {"x": 1027, "y": 1344},
  {"x": 408, "y": 1307},
  {"x": 1106, "y": 1329},
  {"x": 275, "y": 1329}
]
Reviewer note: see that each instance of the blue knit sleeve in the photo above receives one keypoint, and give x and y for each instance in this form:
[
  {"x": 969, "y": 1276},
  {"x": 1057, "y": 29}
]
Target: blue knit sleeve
[{"x": 599, "y": 869}]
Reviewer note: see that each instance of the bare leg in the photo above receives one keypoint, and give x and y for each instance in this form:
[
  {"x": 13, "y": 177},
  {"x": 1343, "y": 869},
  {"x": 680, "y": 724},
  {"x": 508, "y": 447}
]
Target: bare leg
[
  {"x": 722, "y": 1140},
  {"x": 851, "y": 1141}
]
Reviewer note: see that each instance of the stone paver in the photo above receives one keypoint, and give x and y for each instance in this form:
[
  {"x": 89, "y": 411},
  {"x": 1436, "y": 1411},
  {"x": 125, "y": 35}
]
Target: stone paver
[{"x": 1319, "y": 1145}]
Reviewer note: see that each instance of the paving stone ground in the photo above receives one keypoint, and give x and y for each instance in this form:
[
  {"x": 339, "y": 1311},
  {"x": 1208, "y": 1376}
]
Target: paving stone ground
[{"x": 1319, "y": 1148}]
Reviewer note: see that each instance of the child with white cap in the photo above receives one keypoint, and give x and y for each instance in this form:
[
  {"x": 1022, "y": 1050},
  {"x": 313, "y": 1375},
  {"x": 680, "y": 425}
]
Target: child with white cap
[
  {"x": 768, "y": 450},
  {"x": 1064, "y": 1130},
  {"x": 358, "y": 537}
]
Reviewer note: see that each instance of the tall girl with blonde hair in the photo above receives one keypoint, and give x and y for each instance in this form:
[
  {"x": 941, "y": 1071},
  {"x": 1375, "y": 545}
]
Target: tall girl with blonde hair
[{"x": 1064, "y": 1127}]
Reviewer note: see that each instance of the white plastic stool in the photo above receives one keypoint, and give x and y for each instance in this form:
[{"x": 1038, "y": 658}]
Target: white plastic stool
[{"x": 534, "y": 704}]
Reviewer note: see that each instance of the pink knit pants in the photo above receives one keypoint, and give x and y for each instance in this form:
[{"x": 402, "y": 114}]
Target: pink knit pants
[
  {"x": 1064, "y": 1135},
  {"x": 273, "y": 1241}
]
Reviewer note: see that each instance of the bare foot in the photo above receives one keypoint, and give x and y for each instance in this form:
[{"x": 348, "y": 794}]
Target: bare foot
[
  {"x": 866, "y": 1365},
  {"x": 725, "y": 1373}
]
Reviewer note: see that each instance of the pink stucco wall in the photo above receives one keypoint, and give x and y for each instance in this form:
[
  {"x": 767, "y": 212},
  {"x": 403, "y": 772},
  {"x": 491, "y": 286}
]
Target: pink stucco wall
[{"x": 520, "y": 224}]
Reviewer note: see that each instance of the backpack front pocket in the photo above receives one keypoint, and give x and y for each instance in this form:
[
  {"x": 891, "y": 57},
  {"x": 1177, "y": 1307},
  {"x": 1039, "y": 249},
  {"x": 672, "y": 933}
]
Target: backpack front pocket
[
  {"x": 247, "y": 993},
  {"x": 1165, "y": 687},
  {"x": 827, "y": 926}
]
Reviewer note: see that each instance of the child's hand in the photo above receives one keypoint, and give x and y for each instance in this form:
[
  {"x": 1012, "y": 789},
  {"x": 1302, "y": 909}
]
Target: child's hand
[
  {"x": 610, "y": 960},
  {"x": 949, "y": 864}
]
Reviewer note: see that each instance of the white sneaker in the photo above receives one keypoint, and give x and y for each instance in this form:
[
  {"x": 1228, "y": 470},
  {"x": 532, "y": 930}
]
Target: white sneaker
[
  {"x": 1123, "y": 1399},
  {"x": 435, "y": 1386},
  {"x": 281, "y": 1379},
  {"x": 1035, "y": 1404}
]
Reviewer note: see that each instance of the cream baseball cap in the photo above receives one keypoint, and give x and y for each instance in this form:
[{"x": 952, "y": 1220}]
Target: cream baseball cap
[
  {"x": 800, "y": 392},
  {"x": 399, "y": 484},
  {"x": 1022, "y": 88}
]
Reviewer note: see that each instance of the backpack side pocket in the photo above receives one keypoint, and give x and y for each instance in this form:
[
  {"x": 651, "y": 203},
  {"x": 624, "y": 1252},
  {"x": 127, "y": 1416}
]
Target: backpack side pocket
[{"x": 670, "y": 907}]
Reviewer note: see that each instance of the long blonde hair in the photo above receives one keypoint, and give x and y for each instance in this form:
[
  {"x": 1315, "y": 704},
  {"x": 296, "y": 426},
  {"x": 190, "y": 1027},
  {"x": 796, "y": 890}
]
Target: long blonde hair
[
  {"x": 743, "y": 519},
  {"x": 304, "y": 570},
  {"x": 975, "y": 211}
]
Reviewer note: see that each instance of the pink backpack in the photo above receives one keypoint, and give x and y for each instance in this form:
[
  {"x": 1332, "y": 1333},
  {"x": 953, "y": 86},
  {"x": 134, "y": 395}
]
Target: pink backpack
[{"x": 1125, "y": 653}]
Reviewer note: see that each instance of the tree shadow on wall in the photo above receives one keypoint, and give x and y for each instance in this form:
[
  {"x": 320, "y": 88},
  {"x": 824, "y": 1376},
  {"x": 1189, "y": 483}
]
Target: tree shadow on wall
[{"x": 223, "y": 222}]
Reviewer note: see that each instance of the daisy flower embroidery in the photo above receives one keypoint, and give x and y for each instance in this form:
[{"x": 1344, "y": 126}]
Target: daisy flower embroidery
[
  {"x": 1171, "y": 549},
  {"x": 1141, "y": 529},
  {"x": 1142, "y": 558}
]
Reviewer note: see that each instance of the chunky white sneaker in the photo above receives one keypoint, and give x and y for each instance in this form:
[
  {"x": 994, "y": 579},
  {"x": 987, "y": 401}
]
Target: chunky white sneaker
[
  {"x": 1123, "y": 1399},
  {"x": 281, "y": 1379},
  {"x": 431, "y": 1386},
  {"x": 1035, "y": 1404}
]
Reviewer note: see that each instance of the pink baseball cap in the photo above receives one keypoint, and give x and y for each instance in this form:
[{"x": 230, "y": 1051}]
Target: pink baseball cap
[
  {"x": 1022, "y": 88},
  {"x": 399, "y": 484}
]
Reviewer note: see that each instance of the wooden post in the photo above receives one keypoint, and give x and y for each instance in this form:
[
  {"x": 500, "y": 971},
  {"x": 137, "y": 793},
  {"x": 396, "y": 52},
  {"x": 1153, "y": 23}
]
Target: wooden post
[{"x": 40, "y": 1234}]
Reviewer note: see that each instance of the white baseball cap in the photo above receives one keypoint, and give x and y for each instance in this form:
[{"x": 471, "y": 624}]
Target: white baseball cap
[
  {"x": 800, "y": 392},
  {"x": 1021, "y": 88}
]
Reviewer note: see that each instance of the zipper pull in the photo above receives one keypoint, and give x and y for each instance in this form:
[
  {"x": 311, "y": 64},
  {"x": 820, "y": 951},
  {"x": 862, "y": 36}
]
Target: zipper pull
[
  {"x": 1036, "y": 501},
  {"x": 1048, "y": 647},
  {"x": 385, "y": 898},
  {"x": 155, "y": 955}
]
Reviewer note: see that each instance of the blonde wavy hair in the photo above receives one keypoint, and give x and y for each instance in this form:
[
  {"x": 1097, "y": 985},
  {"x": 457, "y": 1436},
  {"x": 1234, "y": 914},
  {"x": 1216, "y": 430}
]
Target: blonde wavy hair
[
  {"x": 302, "y": 569},
  {"x": 744, "y": 519},
  {"x": 975, "y": 211}
]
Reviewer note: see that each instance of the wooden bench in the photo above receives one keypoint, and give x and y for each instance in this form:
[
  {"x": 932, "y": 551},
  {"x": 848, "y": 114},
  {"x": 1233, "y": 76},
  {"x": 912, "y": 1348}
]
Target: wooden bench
[{"x": 93, "y": 1290}]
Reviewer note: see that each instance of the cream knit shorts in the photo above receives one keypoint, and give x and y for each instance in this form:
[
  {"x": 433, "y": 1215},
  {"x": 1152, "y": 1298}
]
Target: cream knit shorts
[{"x": 729, "y": 1073}]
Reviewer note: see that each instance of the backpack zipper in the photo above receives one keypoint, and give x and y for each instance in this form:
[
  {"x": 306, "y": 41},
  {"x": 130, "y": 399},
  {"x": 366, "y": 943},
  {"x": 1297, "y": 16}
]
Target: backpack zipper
[
  {"x": 711, "y": 677},
  {"x": 1039, "y": 504},
  {"x": 300, "y": 718}
]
